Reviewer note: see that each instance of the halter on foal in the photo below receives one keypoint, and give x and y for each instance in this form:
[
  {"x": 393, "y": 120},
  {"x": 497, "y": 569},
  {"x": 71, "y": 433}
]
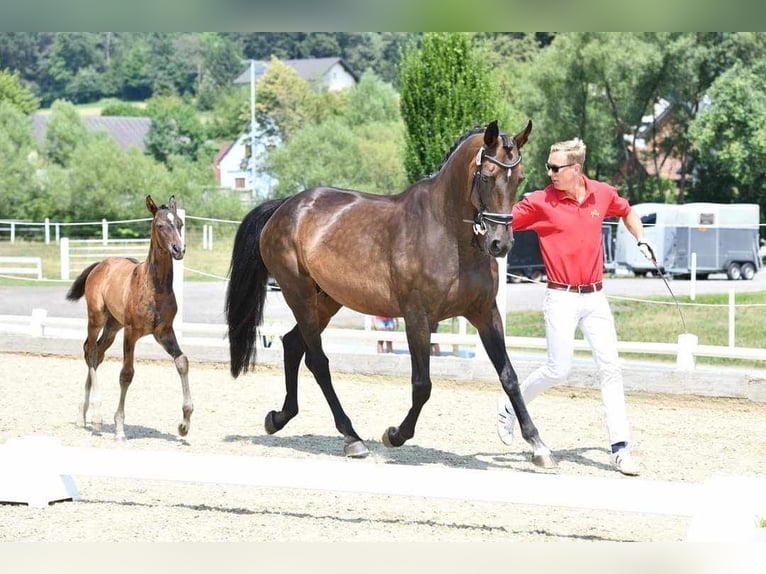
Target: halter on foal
[
  {"x": 121, "y": 292},
  {"x": 426, "y": 254}
]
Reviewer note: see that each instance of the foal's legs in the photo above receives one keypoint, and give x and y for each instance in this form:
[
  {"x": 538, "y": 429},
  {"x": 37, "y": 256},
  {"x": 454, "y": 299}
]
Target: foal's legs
[
  {"x": 126, "y": 377},
  {"x": 94, "y": 351},
  {"x": 491, "y": 334},
  {"x": 167, "y": 338}
]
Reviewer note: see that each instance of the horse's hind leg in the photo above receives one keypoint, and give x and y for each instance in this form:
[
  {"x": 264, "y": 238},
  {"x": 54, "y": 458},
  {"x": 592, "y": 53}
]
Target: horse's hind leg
[
  {"x": 169, "y": 342},
  {"x": 294, "y": 349}
]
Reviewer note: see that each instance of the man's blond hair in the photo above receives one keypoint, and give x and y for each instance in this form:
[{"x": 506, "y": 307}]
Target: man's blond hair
[{"x": 574, "y": 149}]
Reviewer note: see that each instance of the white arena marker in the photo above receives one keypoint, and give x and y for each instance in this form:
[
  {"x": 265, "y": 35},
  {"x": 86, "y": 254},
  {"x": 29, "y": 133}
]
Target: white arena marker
[{"x": 30, "y": 472}]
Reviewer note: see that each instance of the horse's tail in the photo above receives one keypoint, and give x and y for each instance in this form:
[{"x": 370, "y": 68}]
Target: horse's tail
[
  {"x": 77, "y": 290},
  {"x": 246, "y": 293}
]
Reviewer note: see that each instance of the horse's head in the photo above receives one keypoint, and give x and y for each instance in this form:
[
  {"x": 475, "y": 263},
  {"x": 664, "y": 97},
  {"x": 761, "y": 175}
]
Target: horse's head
[
  {"x": 166, "y": 227},
  {"x": 497, "y": 173}
]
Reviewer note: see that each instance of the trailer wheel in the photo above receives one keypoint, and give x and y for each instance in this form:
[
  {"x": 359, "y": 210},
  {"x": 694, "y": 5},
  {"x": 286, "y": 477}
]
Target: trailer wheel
[
  {"x": 748, "y": 271},
  {"x": 734, "y": 271}
]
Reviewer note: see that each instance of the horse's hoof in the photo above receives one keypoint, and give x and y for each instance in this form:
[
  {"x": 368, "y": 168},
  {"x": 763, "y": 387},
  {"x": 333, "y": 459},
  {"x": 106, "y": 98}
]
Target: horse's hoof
[
  {"x": 120, "y": 438},
  {"x": 183, "y": 429},
  {"x": 544, "y": 460},
  {"x": 356, "y": 449},
  {"x": 388, "y": 438},
  {"x": 269, "y": 425}
]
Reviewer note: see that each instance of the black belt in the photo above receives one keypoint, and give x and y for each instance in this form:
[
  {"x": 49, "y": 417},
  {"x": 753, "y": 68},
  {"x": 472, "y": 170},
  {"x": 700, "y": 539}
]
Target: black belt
[{"x": 587, "y": 288}]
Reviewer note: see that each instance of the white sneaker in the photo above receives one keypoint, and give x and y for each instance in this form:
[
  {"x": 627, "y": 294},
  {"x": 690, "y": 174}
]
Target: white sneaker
[
  {"x": 506, "y": 420},
  {"x": 623, "y": 461}
]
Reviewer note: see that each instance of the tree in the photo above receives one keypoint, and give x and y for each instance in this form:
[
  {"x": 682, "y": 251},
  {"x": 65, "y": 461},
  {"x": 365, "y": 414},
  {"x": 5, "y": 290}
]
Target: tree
[
  {"x": 17, "y": 178},
  {"x": 362, "y": 157},
  {"x": 729, "y": 138},
  {"x": 372, "y": 100},
  {"x": 284, "y": 102},
  {"x": 13, "y": 93},
  {"x": 65, "y": 132},
  {"x": 445, "y": 90},
  {"x": 175, "y": 129}
]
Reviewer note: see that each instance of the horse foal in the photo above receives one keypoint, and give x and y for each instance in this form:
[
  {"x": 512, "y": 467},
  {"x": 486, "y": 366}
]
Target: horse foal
[{"x": 123, "y": 293}]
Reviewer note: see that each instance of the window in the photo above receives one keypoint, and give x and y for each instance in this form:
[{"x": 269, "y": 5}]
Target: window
[{"x": 239, "y": 182}]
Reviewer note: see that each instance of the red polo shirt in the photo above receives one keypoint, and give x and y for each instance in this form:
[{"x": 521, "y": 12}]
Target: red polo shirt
[{"x": 570, "y": 232}]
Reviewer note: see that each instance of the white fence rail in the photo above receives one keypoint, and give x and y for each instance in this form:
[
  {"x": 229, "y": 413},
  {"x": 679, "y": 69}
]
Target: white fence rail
[
  {"x": 76, "y": 254},
  {"x": 13, "y": 265}
]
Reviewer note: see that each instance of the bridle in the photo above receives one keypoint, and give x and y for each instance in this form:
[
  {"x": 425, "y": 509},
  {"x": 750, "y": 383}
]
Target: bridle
[{"x": 483, "y": 216}]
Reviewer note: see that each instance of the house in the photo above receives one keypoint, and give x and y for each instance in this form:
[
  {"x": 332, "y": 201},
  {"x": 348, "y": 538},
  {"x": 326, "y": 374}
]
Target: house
[
  {"x": 330, "y": 73},
  {"x": 128, "y": 132},
  {"x": 233, "y": 169},
  {"x": 232, "y": 166}
]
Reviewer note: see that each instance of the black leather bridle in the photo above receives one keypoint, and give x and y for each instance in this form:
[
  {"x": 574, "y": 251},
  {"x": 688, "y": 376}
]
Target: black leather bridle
[{"x": 483, "y": 216}]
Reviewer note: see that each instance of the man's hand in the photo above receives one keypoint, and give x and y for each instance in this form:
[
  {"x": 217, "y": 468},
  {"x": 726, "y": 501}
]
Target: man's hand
[{"x": 648, "y": 250}]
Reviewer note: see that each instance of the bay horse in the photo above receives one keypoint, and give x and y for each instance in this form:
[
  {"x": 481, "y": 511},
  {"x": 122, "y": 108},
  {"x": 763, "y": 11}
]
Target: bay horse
[
  {"x": 425, "y": 254},
  {"x": 121, "y": 292}
]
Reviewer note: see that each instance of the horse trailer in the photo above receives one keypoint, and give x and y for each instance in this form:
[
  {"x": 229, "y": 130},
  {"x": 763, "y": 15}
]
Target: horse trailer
[{"x": 724, "y": 238}]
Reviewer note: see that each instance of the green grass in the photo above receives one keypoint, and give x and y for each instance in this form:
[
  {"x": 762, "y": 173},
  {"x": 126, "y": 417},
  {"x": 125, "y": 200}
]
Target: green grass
[{"x": 634, "y": 320}]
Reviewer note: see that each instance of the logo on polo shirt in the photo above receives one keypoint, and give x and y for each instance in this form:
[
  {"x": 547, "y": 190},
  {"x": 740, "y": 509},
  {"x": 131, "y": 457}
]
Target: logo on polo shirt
[{"x": 594, "y": 213}]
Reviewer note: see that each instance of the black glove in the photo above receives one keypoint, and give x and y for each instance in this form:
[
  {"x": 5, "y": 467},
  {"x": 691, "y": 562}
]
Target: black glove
[{"x": 647, "y": 250}]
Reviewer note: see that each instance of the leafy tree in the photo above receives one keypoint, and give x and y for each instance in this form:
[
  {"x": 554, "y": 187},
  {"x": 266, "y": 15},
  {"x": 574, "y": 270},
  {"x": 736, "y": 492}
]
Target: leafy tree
[
  {"x": 70, "y": 52},
  {"x": 284, "y": 102},
  {"x": 137, "y": 73},
  {"x": 12, "y": 92},
  {"x": 65, "y": 132},
  {"x": 175, "y": 129},
  {"x": 445, "y": 90},
  {"x": 17, "y": 178},
  {"x": 729, "y": 137},
  {"x": 372, "y": 100},
  {"x": 365, "y": 158}
]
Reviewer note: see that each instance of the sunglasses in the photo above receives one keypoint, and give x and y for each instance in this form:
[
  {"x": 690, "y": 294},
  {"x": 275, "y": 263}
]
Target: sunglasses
[{"x": 555, "y": 168}]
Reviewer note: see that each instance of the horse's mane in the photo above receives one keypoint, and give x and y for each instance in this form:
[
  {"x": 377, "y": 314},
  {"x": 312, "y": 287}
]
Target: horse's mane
[{"x": 467, "y": 134}]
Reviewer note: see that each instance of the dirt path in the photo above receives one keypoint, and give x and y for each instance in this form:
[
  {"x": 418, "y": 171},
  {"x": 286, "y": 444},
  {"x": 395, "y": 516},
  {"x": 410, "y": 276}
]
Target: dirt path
[{"x": 677, "y": 438}]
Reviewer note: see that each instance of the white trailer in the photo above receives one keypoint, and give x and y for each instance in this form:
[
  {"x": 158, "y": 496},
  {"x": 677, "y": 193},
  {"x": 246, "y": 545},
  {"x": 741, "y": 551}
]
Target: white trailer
[{"x": 723, "y": 236}]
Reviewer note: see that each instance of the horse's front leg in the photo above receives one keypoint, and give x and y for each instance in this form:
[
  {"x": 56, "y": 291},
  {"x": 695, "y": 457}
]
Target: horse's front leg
[
  {"x": 169, "y": 342},
  {"x": 419, "y": 343},
  {"x": 493, "y": 339}
]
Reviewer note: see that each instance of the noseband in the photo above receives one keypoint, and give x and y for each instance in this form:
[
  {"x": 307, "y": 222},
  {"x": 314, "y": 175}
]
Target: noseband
[{"x": 483, "y": 216}]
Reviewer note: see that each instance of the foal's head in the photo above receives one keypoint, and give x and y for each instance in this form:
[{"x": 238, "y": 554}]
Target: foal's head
[
  {"x": 497, "y": 173},
  {"x": 166, "y": 227}
]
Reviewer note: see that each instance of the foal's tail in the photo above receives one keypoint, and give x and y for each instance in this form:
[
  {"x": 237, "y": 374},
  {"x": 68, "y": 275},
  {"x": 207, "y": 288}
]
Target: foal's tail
[
  {"x": 77, "y": 290},
  {"x": 246, "y": 293}
]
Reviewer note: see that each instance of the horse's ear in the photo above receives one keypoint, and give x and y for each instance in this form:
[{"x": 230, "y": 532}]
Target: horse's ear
[
  {"x": 490, "y": 134},
  {"x": 521, "y": 137},
  {"x": 172, "y": 203},
  {"x": 150, "y": 205}
]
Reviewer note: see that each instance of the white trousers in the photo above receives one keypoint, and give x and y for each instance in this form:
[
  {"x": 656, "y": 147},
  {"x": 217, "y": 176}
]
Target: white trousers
[{"x": 564, "y": 311}]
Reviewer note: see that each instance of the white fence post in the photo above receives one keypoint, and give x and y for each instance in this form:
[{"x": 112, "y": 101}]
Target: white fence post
[
  {"x": 732, "y": 312},
  {"x": 105, "y": 231},
  {"x": 13, "y": 232},
  {"x": 58, "y": 232},
  {"x": 693, "y": 278},
  {"x": 64, "y": 258},
  {"x": 47, "y": 231},
  {"x": 178, "y": 282}
]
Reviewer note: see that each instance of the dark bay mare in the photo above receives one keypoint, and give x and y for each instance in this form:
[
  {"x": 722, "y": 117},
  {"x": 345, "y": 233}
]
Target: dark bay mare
[
  {"x": 426, "y": 254},
  {"x": 121, "y": 292}
]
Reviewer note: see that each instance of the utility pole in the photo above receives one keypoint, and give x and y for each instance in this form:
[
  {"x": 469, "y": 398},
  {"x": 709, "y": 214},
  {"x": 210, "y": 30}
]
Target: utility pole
[{"x": 252, "y": 130}]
